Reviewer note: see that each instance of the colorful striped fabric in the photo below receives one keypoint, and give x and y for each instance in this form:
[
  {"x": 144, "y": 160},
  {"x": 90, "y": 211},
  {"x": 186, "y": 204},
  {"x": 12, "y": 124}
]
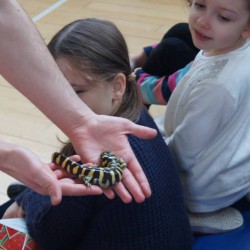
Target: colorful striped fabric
[{"x": 157, "y": 90}]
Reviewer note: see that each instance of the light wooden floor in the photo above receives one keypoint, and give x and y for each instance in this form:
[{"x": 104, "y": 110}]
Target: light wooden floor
[{"x": 142, "y": 22}]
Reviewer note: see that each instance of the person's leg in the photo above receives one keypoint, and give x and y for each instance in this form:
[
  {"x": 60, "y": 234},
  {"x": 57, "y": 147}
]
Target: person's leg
[
  {"x": 174, "y": 52},
  {"x": 15, "y": 189},
  {"x": 243, "y": 204},
  {"x": 181, "y": 31},
  {"x": 170, "y": 55}
]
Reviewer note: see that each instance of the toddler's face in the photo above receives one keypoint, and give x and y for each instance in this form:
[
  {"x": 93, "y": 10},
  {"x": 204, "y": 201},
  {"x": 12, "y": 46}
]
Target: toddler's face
[
  {"x": 98, "y": 96},
  {"x": 219, "y": 26}
]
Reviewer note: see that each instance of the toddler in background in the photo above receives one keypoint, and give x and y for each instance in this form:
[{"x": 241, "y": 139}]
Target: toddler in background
[{"x": 207, "y": 123}]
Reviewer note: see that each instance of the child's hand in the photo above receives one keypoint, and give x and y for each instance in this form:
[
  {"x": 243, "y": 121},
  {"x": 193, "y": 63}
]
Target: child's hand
[{"x": 14, "y": 211}]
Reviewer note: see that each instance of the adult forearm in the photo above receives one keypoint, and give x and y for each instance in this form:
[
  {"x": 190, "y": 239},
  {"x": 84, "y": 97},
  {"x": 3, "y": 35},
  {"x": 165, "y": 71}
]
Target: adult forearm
[{"x": 26, "y": 63}]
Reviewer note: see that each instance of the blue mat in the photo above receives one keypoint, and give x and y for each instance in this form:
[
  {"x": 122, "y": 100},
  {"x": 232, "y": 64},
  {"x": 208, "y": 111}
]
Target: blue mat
[{"x": 238, "y": 239}]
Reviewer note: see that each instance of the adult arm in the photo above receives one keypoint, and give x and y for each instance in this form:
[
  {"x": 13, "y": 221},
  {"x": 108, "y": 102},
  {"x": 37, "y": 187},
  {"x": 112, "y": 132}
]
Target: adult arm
[
  {"x": 26, "y": 63},
  {"x": 14, "y": 161}
]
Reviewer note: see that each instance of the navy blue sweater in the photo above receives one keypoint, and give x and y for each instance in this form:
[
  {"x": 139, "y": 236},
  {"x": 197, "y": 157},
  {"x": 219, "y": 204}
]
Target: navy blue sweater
[{"x": 95, "y": 222}]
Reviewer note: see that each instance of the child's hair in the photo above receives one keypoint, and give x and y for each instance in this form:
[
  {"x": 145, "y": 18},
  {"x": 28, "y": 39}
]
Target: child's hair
[{"x": 98, "y": 49}]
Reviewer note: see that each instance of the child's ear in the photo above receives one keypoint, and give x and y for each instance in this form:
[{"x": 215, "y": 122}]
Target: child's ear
[
  {"x": 246, "y": 32},
  {"x": 119, "y": 86}
]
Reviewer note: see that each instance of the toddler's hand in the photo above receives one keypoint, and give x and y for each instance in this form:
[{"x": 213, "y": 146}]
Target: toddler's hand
[{"x": 14, "y": 211}]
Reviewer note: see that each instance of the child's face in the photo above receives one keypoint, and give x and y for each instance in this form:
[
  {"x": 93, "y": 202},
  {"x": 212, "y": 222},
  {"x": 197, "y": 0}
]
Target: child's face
[
  {"x": 219, "y": 26},
  {"x": 98, "y": 96}
]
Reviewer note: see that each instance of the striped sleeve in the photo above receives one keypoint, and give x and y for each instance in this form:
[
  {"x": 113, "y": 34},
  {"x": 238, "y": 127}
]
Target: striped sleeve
[{"x": 157, "y": 90}]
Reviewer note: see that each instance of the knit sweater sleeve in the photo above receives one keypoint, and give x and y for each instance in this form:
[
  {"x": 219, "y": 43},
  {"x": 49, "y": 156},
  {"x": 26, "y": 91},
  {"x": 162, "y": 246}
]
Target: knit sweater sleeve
[
  {"x": 42, "y": 218},
  {"x": 155, "y": 89}
]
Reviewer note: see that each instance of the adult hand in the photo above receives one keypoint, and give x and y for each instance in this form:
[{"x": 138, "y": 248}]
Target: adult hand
[
  {"x": 25, "y": 166},
  {"x": 106, "y": 133}
]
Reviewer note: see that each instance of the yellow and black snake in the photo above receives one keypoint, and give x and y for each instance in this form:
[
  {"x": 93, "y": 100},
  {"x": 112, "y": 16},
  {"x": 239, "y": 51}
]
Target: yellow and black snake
[{"x": 104, "y": 176}]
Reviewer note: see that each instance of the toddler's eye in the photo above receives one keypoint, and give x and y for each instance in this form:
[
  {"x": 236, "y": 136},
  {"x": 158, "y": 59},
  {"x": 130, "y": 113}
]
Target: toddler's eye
[
  {"x": 78, "y": 92},
  {"x": 199, "y": 5},
  {"x": 224, "y": 19}
]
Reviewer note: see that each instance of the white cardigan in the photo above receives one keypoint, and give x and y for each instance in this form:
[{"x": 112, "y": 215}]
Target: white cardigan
[{"x": 207, "y": 126}]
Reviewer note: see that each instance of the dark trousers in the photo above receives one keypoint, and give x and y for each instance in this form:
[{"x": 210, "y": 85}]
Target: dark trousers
[{"x": 174, "y": 52}]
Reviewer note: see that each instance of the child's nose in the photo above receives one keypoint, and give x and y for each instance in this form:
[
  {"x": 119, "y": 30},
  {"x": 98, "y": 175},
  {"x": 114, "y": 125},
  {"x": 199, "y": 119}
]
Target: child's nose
[{"x": 204, "y": 20}]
